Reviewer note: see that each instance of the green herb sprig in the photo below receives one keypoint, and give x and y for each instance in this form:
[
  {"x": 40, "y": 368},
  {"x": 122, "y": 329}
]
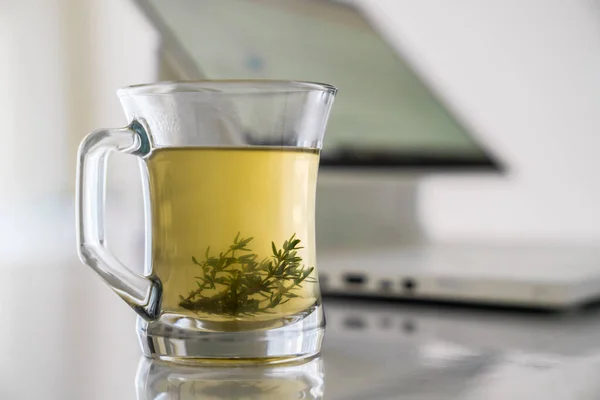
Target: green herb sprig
[{"x": 246, "y": 286}]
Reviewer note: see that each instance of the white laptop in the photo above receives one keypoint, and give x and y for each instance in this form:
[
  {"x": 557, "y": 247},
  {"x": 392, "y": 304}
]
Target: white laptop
[
  {"x": 510, "y": 275},
  {"x": 388, "y": 127}
]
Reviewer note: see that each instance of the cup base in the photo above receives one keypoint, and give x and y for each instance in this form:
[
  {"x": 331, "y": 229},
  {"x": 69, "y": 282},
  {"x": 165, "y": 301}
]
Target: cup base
[{"x": 293, "y": 342}]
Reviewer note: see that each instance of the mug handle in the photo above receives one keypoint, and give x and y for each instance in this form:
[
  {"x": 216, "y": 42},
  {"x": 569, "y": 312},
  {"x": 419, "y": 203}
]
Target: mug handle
[{"x": 140, "y": 292}]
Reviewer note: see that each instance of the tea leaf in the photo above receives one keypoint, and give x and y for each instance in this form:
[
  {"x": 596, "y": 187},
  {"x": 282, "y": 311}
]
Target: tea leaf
[{"x": 245, "y": 286}]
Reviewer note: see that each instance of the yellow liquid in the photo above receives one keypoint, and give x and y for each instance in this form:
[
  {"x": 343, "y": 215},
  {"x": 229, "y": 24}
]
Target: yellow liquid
[{"x": 203, "y": 197}]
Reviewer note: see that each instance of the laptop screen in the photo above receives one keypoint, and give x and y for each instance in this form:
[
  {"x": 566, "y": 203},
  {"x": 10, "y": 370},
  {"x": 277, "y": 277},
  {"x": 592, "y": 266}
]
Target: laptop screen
[{"x": 384, "y": 115}]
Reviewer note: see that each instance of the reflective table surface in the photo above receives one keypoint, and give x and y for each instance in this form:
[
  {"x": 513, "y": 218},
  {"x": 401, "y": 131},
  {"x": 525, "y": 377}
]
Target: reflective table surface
[{"x": 65, "y": 335}]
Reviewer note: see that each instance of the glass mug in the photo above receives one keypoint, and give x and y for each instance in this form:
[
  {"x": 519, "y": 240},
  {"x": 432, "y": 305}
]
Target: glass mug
[{"x": 229, "y": 173}]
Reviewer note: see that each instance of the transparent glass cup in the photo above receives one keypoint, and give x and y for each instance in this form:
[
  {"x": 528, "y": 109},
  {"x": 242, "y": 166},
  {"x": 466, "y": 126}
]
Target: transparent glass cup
[{"x": 229, "y": 173}]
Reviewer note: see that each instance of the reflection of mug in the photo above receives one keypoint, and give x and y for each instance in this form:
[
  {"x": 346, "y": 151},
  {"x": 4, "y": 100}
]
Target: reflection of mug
[
  {"x": 230, "y": 173},
  {"x": 290, "y": 381}
]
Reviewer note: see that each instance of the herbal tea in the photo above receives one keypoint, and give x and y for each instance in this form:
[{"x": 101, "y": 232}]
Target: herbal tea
[{"x": 233, "y": 234}]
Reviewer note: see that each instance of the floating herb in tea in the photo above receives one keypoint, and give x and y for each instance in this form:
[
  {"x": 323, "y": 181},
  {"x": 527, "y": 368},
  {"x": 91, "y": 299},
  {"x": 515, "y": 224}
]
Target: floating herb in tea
[
  {"x": 204, "y": 196},
  {"x": 244, "y": 285}
]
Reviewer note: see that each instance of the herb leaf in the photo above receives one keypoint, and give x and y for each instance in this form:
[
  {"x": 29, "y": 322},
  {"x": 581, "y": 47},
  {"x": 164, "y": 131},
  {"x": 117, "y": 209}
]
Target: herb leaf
[{"x": 247, "y": 287}]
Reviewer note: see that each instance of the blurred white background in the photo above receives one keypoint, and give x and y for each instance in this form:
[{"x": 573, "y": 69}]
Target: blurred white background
[{"x": 522, "y": 74}]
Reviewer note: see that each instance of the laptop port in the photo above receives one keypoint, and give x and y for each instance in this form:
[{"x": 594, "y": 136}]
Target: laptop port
[
  {"x": 355, "y": 279},
  {"x": 409, "y": 285},
  {"x": 386, "y": 285},
  {"x": 323, "y": 279}
]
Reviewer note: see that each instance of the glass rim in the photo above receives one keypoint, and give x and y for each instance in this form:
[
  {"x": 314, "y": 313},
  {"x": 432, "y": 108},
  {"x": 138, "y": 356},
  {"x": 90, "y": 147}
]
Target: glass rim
[{"x": 225, "y": 86}]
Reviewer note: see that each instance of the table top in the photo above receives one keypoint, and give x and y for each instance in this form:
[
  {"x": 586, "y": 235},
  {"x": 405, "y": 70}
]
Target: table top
[{"x": 65, "y": 335}]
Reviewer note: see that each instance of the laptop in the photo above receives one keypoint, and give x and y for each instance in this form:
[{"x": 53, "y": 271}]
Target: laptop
[{"x": 387, "y": 132}]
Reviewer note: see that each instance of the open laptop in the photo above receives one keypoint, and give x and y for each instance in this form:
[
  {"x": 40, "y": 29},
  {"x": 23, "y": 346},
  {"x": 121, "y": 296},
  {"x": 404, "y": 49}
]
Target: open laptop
[{"x": 387, "y": 131}]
